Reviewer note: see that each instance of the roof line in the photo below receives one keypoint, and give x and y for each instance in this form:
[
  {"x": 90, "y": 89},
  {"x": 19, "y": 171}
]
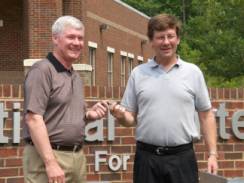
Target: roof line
[{"x": 131, "y": 8}]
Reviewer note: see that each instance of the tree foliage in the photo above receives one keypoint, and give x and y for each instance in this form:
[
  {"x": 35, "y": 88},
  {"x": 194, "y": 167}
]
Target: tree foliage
[
  {"x": 149, "y": 7},
  {"x": 212, "y": 36},
  {"x": 215, "y": 34}
]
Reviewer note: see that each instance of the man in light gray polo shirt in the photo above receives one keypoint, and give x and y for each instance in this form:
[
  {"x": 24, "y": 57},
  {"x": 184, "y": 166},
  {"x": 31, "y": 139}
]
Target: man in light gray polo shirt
[
  {"x": 161, "y": 98},
  {"x": 55, "y": 112}
]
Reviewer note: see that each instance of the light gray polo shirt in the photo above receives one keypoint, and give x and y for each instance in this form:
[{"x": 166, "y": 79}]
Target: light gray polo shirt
[
  {"x": 165, "y": 102},
  {"x": 56, "y": 93}
]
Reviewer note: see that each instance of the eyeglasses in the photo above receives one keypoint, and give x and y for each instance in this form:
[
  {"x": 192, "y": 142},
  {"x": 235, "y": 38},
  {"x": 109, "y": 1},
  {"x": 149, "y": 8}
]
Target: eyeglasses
[{"x": 167, "y": 37}]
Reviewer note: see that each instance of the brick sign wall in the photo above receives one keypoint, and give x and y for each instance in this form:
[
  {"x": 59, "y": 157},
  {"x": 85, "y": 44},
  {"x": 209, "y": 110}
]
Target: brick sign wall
[{"x": 120, "y": 150}]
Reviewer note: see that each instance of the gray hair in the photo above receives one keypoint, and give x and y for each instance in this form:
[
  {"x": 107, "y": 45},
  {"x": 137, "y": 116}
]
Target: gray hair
[{"x": 66, "y": 21}]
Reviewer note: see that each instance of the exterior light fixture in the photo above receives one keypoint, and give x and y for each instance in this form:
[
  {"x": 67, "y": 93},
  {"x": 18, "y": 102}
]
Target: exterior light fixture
[
  {"x": 143, "y": 42},
  {"x": 103, "y": 27}
]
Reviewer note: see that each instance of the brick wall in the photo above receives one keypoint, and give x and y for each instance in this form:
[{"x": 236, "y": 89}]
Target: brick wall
[
  {"x": 11, "y": 50},
  {"x": 231, "y": 161},
  {"x": 40, "y": 15}
]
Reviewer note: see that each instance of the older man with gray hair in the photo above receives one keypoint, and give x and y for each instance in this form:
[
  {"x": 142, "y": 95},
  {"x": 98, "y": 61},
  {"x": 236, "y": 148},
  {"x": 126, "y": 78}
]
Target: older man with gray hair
[{"x": 55, "y": 112}]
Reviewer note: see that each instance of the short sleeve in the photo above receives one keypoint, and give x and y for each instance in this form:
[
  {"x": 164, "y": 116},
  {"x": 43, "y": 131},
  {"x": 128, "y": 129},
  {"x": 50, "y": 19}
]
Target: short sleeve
[
  {"x": 37, "y": 91},
  {"x": 202, "y": 100},
  {"x": 129, "y": 100}
]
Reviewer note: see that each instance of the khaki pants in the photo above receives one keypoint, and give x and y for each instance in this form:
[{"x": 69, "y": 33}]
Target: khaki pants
[{"x": 72, "y": 163}]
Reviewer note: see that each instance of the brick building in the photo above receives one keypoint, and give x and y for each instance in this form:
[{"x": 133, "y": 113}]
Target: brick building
[{"x": 115, "y": 36}]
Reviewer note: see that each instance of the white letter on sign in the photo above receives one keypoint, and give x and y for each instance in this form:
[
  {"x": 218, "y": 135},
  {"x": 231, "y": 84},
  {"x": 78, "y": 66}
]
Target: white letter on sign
[
  {"x": 98, "y": 159},
  {"x": 112, "y": 165}
]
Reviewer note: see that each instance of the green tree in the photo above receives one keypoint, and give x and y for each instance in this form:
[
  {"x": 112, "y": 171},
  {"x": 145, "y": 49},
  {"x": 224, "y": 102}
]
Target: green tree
[
  {"x": 149, "y": 7},
  {"x": 180, "y": 8},
  {"x": 217, "y": 33},
  {"x": 212, "y": 36}
]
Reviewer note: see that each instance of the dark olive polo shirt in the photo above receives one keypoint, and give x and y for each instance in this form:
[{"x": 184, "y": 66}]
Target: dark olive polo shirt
[{"x": 56, "y": 93}]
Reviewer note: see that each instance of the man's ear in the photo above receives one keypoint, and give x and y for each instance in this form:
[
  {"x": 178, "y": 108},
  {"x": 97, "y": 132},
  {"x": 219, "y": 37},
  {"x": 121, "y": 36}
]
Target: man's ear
[
  {"x": 178, "y": 42},
  {"x": 54, "y": 39},
  {"x": 151, "y": 43}
]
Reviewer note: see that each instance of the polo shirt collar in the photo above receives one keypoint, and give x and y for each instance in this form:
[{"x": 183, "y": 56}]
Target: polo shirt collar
[
  {"x": 57, "y": 65},
  {"x": 152, "y": 62}
]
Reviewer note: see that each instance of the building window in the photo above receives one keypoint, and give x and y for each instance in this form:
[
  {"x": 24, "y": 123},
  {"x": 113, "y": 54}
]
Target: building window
[
  {"x": 92, "y": 62},
  {"x": 66, "y": 5},
  {"x": 122, "y": 71},
  {"x": 110, "y": 69},
  {"x": 130, "y": 66}
]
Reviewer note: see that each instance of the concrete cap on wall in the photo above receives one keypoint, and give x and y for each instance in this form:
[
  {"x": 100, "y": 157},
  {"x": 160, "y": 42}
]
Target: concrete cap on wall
[
  {"x": 82, "y": 67},
  {"x": 77, "y": 67},
  {"x": 30, "y": 62},
  {"x": 84, "y": 70}
]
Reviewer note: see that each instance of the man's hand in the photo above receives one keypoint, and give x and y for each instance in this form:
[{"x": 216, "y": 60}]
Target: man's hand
[
  {"x": 117, "y": 110},
  {"x": 98, "y": 111},
  {"x": 54, "y": 172},
  {"x": 124, "y": 117},
  {"x": 212, "y": 164}
]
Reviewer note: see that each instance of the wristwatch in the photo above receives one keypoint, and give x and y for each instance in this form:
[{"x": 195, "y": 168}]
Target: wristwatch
[{"x": 213, "y": 153}]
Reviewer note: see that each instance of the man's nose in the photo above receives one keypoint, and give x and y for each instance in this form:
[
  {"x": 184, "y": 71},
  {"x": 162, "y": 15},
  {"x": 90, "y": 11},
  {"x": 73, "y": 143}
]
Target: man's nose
[
  {"x": 76, "y": 41},
  {"x": 166, "y": 40}
]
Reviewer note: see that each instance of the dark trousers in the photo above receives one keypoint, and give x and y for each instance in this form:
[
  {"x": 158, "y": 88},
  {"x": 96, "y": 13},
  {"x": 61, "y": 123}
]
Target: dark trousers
[{"x": 165, "y": 166}]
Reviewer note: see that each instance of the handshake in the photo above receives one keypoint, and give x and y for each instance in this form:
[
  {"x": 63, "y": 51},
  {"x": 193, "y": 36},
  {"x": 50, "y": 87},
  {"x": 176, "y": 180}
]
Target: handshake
[{"x": 100, "y": 109}]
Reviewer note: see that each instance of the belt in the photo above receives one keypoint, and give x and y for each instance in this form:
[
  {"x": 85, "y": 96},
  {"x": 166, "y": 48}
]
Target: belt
[
  {"x": 58, "y": 147},
  {"x": 163, "y": 150}
]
